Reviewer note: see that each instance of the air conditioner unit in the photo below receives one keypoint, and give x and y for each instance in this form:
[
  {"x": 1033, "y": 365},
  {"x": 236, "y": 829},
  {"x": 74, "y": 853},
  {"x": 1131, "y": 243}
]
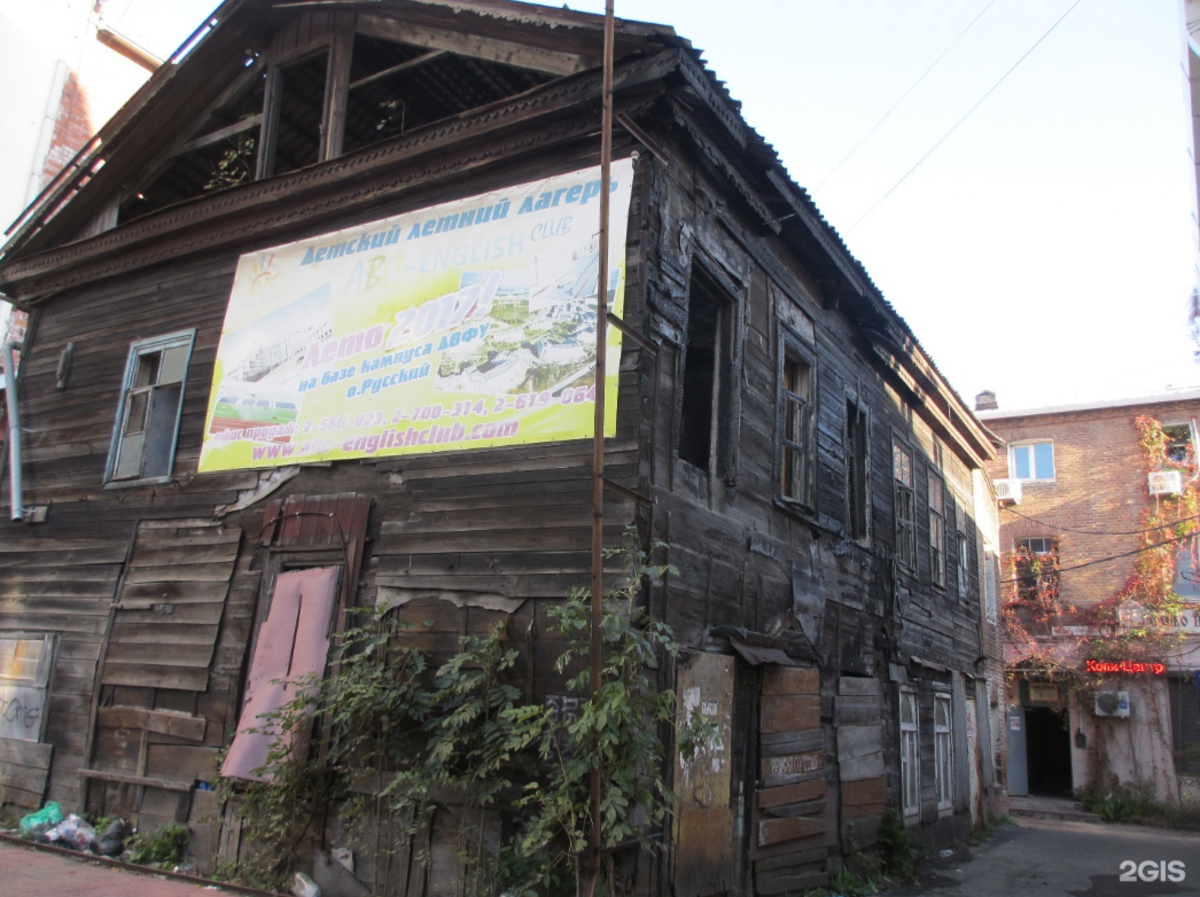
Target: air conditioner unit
[
  {"x": 1008, "y": 491},
  {"x": 1112, "y": 703},
  {"x": 1165, "y": 482}
]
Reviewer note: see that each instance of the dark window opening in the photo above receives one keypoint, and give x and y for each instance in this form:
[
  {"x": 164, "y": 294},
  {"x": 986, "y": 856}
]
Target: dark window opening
[
  {"x": 222, "y": 152},
  {"x": 707, "y": 378},
  {"x": 299, "y": 115},
  {"x": 1185, "y": 724},
  {"x": 395, "y": 88},
  {"x": 906, "y": 536},
  {"x": 796, "y": 455},
  {"x": 858, "y": 471}
]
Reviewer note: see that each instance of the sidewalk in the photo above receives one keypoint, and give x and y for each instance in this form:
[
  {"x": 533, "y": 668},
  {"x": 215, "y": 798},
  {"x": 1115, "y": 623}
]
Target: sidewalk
[
  {"x": 25, "y": 872},
  {"x": 1060, "y": 858}
]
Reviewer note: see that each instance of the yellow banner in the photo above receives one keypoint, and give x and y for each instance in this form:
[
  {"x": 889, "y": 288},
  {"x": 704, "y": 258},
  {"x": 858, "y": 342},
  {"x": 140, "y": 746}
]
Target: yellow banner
[{"x": 464, "y": 325}]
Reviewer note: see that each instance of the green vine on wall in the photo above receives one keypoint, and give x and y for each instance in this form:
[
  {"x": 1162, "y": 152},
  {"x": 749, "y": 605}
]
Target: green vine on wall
[{"x": 394, "y": 738}]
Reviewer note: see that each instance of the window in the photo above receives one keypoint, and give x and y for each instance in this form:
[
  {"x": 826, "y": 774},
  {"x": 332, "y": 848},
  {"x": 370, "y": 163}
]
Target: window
[
  {"x": 1185, "y": 725},
  {"x": 1180, "y": 448},
  {"x": 708, "y": 414},
  {"x": 910, "y": 757},
  {"x": 1036, "y": 565},
  {"x": 25, "y": 665},
  {"x": 1031, "y": 461},
  {"x": 858, "y": 471},
  {"x": 937, "y": 531},
  {"x": 962, "y": 551},
  {"x": 902, "y": 471},
  {"x": 795, "y": 446},
  {"x": 943, "y": 751},
  {"x": 147, "y": 425}
]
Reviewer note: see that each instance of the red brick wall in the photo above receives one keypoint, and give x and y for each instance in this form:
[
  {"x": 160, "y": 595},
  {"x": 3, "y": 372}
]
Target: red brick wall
[
  {"x": 72, "y": 129},
  {"x": 1099, "y": 486}
]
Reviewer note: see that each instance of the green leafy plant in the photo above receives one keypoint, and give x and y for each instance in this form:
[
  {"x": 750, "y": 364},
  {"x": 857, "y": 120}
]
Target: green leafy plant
[
  {"x": 896, "y": 849},
  {"x": 164, "y": 848},
  {"x": 391, "y": 735}
]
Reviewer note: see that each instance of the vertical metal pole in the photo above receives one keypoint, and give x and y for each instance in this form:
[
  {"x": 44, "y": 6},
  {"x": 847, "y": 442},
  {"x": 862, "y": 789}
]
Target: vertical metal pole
[
  {"x": 597, "y": 665},
  {"x": 16, "y": 486}
]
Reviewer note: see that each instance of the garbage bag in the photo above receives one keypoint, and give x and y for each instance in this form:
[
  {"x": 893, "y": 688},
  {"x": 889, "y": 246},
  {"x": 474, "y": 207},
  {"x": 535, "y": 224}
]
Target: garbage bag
[
  {"x": 303, "y": 886},
  {"x": 111, "y": 841},
  {"x": 72, "y": 832},
  {"x": 47, "y": 817}
]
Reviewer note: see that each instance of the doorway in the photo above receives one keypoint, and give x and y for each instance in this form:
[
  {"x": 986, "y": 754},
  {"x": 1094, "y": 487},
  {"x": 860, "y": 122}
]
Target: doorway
[{"x": 1048, "y": 751}]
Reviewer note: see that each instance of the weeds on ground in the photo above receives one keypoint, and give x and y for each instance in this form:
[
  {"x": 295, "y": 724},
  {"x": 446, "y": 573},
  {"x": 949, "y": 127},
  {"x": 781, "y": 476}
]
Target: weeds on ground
[
  {"x": 165, "y": 848},
  {"x": 988, "y": 829},
  {"x": 1134, "y": 804}
]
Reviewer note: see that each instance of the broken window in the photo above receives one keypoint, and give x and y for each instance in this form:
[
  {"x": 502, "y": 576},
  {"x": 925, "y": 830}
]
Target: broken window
[
  {"x": 796, "y": 454},
  {"x": 147, "y": 426},
  {"x": 910, "y": 755},
  {"x": 943, "y": 751},
  {"x": 707, "y": 420},
  {"x": 858, "y": 471},
  {"x": 291, "y": 648},
  {"x": 296, "y": 111},
  {"x": 937, "y": 530},
  {"x": 906, "y": 536}
]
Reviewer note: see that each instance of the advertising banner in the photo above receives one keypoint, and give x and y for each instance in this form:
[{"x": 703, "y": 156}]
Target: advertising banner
[{"x": 463, "y": 325}]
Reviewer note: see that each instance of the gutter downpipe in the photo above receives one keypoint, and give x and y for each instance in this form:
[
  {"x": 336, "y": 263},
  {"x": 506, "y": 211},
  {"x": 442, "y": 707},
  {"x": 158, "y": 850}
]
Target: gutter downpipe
[{"x": 15, "y": 484}]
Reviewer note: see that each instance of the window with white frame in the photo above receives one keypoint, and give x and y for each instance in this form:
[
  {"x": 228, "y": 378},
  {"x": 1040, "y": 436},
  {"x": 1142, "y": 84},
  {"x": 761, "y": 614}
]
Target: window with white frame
[
  {"x": 1031, "y": 461},
  {"x": 943, "y": 751},
  {"x": 910, "y": 755},
  {"x": 147, "y": 425}
]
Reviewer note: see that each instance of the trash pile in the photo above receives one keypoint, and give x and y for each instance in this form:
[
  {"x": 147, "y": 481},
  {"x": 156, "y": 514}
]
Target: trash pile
[{"x": 49, "y": 826}]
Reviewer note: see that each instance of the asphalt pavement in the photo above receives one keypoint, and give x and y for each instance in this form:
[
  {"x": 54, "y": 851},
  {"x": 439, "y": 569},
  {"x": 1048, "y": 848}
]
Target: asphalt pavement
[{"x": 1046, "y": 857}]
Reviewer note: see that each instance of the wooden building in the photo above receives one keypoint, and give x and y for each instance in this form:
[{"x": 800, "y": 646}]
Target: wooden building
[{"x": 776, "y": 423}]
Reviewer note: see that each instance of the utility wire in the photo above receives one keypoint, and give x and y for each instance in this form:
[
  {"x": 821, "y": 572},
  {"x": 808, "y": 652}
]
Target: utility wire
[
  {"x": 1096, "y": 532},
  {"x": 886, "y": 115},
  {"x": 964, "y": 118},
  {"x": 1104, "y": 560}
]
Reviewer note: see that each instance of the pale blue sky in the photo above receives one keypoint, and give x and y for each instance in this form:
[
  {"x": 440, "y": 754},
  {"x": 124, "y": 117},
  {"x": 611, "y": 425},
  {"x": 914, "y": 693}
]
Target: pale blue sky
[{"x": 1044, "y": 250}]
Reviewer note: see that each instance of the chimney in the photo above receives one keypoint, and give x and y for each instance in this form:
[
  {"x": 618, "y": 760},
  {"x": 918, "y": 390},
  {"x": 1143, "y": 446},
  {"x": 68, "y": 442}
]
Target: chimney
[{"x": 986, "y": 401}]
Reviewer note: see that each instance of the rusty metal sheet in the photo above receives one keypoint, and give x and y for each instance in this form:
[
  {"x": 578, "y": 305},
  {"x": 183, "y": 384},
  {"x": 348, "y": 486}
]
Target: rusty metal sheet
[
  {"x": 779, "y": 681},
  {"x": 703, "y": 837},
  {"x": 757, "y": 657},
  {"x": 293, "y": 642},
  {"x": 789, "y": 713}
]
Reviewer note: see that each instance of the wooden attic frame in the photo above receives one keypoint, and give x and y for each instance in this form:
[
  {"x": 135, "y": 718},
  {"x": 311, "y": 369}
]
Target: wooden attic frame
[{"x": 70, "y": 235}]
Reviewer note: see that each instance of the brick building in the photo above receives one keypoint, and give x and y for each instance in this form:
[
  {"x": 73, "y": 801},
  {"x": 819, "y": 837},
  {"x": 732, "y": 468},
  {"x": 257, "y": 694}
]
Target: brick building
[{"x": 1101, "y": 626}]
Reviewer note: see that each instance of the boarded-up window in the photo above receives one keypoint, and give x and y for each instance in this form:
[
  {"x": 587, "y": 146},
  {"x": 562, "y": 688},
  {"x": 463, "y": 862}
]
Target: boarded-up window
[
  {"x": 25, "y": 664},
  {"x": 293, "y": 643},
  {"x": 147, "y": 426}
]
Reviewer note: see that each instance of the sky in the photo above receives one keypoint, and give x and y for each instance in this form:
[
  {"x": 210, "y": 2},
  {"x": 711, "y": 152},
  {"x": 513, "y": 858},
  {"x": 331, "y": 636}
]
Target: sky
[{"x": 1044, "y": 249}]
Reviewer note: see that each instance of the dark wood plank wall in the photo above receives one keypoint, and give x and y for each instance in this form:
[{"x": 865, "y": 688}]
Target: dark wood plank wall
[{"x": 512, "y": 523}]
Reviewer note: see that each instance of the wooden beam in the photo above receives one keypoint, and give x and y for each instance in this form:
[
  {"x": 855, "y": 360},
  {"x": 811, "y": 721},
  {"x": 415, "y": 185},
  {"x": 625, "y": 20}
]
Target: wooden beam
[
  {"x": 246, "y": 124},
  {"x": 122, "y": 778},
  {"x": 396, "y": 69},
  {"x": 493, "y": 50},
  {"x": 337, "y": 90}
]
